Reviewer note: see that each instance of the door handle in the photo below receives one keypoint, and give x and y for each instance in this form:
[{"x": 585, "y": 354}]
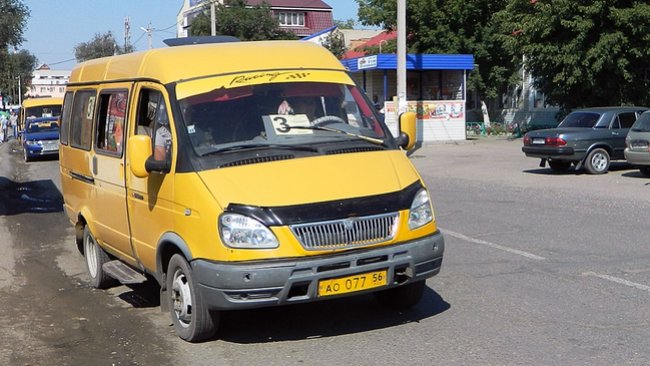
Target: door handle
[{"x": 137, "y": 196}]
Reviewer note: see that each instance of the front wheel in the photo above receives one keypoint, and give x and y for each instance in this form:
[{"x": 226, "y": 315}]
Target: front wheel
[
  {"x": 401, "y": 297},
  {"x": 192, "y": 319},
  {"x": 597, "y": 161},
  {"x": 95, "y": 259}
]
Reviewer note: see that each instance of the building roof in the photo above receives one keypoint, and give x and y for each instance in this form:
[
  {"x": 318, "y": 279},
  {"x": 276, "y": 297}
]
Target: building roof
[
  {"x": 358, "y": 35},
  {"x": 413, "y": 62},
  {"x": 298, "y": 4},
  {"x": 374, "y": 41}
]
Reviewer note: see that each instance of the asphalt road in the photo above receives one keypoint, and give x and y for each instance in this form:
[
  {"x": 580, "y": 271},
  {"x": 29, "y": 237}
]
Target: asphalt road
[{"x": 540, "y": 269}]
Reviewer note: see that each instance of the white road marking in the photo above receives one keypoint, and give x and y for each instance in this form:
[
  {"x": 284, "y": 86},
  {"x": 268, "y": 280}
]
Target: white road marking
[
  {"x": 492, "y": 245},
  {"x": 621, "y": 281}
]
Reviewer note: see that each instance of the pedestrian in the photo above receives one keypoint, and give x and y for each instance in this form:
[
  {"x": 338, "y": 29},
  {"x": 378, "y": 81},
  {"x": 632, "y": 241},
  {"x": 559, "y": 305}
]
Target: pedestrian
[
  {"x": 3, "y": 127},
  {"x": 13, "y": 121}
]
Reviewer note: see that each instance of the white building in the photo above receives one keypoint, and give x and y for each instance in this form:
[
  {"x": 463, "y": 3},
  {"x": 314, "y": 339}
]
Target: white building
[{"x": 48, "y": 83}]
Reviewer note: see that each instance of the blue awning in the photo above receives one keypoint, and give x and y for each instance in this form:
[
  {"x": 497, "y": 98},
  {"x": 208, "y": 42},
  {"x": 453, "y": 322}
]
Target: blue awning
[{"x": 413, "y": 62}]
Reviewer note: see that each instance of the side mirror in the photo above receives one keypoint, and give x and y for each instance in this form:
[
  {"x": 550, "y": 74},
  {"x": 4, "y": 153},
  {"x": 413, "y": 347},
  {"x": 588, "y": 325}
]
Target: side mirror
[
  {"x": 158, "y": 166},
  {"x": 139, "y": 150},
  {"x": 407, "y": 130}
]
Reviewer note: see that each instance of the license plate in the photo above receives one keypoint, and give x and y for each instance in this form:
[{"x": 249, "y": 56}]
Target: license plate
[
  {"x": 538, "y": 141},
  {"x": 358, "y": 282}
]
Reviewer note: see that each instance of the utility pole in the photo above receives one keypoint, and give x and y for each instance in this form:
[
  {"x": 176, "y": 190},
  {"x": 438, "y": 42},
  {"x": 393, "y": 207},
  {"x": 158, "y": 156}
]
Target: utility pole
[
  {"x": 149, "y": 31},
  {"x": 127, "y": 35},
  {"x": 213, "y": 19},
  {"x": 401, "y": 57}
]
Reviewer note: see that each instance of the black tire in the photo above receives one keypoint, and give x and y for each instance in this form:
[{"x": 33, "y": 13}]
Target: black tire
[
  {"x": 559, "y": 166},
  {"x": 95, "y": 259},
  {"x": 192, "y": 319},
  {"x": 597, "y": 161},
  {"x": 645, "y": 171},
  {"x": 401, "y": 297}
]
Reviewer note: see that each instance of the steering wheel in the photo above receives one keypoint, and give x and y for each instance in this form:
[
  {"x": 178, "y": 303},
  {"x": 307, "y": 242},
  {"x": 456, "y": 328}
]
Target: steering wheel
[{"x": 326, "y": 120}]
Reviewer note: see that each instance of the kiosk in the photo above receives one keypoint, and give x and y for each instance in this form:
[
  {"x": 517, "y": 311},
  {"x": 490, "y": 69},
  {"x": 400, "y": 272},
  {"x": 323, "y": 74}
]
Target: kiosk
[{"x": 436, "y": 90}]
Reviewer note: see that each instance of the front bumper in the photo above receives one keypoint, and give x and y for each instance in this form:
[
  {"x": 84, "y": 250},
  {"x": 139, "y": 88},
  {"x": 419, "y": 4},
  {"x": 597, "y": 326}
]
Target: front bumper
[{"x": 226, "y": 286}]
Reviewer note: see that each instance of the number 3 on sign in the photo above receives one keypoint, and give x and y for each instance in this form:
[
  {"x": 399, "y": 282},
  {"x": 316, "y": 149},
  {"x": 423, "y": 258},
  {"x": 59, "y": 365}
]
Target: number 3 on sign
[{"x": 282, "y": 124}]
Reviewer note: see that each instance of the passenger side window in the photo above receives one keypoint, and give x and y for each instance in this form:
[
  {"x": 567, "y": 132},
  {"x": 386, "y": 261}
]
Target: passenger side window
[
  {"x": 81, "y": 127},
  {"x": 111, "y": 122},
  {"x": 153, "y": 120},
  {"x": 627, "y": 119},
  {"x": 65, "y": 118}
]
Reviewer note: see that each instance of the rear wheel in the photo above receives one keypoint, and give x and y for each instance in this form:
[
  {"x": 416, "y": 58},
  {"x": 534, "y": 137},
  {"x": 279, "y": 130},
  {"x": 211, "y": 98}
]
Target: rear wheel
[
  {"x": 597, "y": 161},
  {"x": 95, "y": 259},
  {"x": 402, "y": 297},
  {"x": 559, "y": 166},
  {"x": 192, "y": 319}
]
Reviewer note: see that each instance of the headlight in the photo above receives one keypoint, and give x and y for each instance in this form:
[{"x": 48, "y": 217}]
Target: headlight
[
  {"x": 239, "y": 231},
  {"x": 421, "y": 212}
]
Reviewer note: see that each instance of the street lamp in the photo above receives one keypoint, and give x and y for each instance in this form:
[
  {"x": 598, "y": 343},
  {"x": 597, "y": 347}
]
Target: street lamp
[{"x": 380, "y": 42}]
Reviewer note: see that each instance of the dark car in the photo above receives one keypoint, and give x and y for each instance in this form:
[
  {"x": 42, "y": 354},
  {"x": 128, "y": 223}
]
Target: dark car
[
  {"x": 589, "y": 137},
  {"x": 41, "y": 137}
]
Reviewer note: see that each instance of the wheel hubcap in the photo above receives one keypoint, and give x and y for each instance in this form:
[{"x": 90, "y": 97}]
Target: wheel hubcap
[
  {"x": 599, "y": 162},
  {"x": 91, "y": 255},
  {"x": 181, "y": 296}
]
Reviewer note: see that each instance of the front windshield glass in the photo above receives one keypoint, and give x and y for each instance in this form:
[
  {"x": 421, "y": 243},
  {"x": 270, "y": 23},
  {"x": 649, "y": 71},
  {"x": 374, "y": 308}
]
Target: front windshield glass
[
  {"x": 43, "y": 111},
  {"x": 285, "y": 113},
  {"x": 580, "y": 119},
  {"x": 642, "y": 124}
]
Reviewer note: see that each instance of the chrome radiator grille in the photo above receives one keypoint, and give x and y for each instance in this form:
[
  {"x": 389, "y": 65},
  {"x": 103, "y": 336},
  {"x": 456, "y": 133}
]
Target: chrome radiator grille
[{"x": 347, "y": 233}]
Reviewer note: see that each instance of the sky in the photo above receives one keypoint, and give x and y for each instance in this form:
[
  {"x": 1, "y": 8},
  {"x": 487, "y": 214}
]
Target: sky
[{"x": 54, "y": 28}]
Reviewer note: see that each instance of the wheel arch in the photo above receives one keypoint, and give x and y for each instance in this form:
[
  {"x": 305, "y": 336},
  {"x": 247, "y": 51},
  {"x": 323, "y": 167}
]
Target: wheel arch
[
  {"x": 84, "y": 218},
  {"x": 168, "y": 245},
  {"x": 601, "y": 145}
]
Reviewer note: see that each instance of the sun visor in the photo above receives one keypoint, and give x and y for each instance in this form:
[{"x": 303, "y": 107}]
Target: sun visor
[{"x": 221, "y": 84}]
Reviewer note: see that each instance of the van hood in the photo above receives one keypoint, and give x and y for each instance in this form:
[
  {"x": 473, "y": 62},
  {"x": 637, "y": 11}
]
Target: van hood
[{"x": 311, "y": 180}]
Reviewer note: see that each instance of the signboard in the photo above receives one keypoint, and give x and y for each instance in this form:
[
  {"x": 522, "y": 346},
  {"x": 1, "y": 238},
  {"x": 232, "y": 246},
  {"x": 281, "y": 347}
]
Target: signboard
[{"x": 368, "y": 62}]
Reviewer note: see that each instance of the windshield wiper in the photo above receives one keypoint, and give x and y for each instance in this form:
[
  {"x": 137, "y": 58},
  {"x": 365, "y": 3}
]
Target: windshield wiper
[
  {"x": 336, "y": 130},
  {"x": 260, "y": 146}
]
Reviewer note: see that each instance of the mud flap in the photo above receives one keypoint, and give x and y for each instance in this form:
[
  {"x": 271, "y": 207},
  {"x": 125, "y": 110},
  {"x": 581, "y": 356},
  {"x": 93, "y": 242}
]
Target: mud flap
[
  {"x": 579, "y": 164},
  {"x": 542, "y": 163},
  {"x": 163, "y": 294}
]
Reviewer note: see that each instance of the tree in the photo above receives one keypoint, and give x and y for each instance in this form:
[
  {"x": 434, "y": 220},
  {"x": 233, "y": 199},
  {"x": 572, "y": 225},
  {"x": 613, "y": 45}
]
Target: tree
[
  {"x": 13, "y": 18},
  {"x": 584, "y": 53},
  {"x": 101, "y": 45},
  {"x": 452, "y": 27},
  {"x": 248, "y": 23},
  {"x": 345, "y": 24},
  {"x": 17, "y": 71},
  {"x": 335, "y": 43}
]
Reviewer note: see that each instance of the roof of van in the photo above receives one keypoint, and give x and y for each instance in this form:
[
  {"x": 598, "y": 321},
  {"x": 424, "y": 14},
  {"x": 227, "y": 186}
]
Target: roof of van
[
  {"x": 31, "y": 102},
  {"x": 186, "y": 62}
]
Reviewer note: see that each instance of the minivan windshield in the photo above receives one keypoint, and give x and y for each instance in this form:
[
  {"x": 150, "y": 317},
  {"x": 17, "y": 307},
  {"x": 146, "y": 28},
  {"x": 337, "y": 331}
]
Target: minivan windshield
[
  {"x": 281, "y": 114},
  {"x": 642, "y": 124},
  {"x": 580, "y": 119}
]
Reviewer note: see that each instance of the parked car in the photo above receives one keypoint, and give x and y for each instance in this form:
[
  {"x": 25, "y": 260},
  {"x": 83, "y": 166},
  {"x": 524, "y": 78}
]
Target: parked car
[
  {"x": 41, "y": 137},
  {"x": 589, "y": 137},
  {"x": 637, "y": 144}
]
